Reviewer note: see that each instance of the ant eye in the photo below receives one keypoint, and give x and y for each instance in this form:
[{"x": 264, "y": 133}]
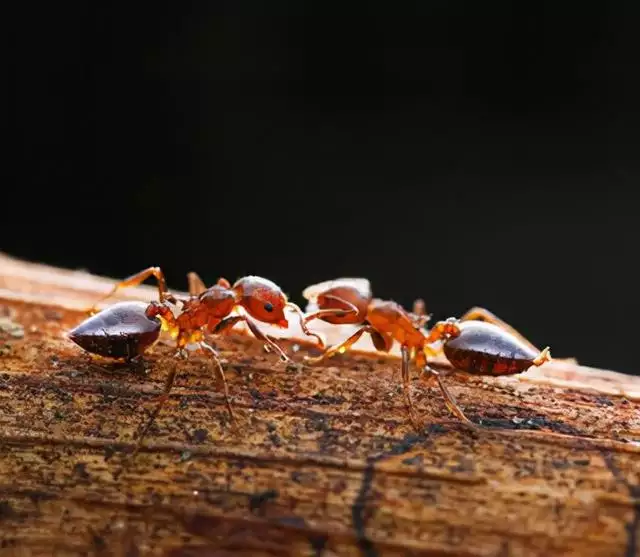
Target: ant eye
[{"x": 268, "y": 307}]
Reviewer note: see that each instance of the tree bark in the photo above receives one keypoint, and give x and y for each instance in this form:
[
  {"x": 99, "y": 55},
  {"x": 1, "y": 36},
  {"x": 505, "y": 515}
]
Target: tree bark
[{"x": 324, "y": 461}]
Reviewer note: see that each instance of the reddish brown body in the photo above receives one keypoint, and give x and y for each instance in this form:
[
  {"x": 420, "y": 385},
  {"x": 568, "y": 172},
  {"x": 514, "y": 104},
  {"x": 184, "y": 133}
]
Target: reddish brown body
[
  {"x": 126, "y": 330},
  {"x": 394, "y": 323},
  {"x": 478, "y": 343},
  {"x": 209, "y": 311}
]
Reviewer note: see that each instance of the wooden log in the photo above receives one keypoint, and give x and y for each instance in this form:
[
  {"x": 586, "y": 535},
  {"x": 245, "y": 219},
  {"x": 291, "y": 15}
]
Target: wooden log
[{"x": 326, "y": 462}]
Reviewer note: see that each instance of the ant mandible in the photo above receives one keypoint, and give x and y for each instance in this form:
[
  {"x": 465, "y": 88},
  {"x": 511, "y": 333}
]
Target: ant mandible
[
  {"x": 127, "y": 329},
  {"x": 478, "y": 343}
]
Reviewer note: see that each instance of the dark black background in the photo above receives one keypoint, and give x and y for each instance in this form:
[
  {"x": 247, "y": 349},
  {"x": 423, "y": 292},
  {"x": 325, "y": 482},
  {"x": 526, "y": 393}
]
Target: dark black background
[{"x": 469, "y": 153}]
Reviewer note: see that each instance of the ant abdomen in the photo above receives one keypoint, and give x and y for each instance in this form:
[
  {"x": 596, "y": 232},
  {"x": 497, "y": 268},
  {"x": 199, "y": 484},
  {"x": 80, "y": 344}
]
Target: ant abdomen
[
  {"x": 121, "y": 331},
  {"x": 485, "y": 349}
]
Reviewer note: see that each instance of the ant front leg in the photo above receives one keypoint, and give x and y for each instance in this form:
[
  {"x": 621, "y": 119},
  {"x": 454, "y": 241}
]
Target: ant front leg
[
  {"x": 333, "y": 312},
  {"x": 196, "y": 284},
  {"x": 344, "y": 346},
  {"x": 229, "y": 322},
  {"x": 135, "y": 280},
  {"x": 303, "y": 323},
  {"x": 320, "y": 314}
]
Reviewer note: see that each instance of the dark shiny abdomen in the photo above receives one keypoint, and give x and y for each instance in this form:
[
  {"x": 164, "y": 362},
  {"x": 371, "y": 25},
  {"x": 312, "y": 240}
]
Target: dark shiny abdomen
[
  {"x": 486, "y": 349},
  {"x": 121, "y": 331}
]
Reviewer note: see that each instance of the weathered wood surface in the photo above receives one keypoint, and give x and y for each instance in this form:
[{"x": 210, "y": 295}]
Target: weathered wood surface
[{"x": 326, "y": 462}]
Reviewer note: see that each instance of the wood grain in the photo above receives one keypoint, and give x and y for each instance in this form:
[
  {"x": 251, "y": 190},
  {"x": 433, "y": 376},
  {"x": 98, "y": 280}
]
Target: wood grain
[{"x": 326, "y": 462}]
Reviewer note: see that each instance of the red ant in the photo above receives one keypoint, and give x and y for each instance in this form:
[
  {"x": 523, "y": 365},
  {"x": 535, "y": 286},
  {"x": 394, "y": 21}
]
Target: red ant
[
  {"x": 479, "y": 343},
  {"x": 127, "y": 329}
]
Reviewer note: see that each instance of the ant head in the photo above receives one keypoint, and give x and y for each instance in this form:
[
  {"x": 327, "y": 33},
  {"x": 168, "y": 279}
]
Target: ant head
[
  {"x": 263, "y": 300},
  {"x": 342, "y": 293},
  {"x": 219, "y": 300}
]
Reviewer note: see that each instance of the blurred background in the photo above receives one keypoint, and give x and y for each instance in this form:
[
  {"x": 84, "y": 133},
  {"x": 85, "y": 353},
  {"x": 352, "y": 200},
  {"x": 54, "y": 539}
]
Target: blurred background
[{"x": 467, "y": 153}]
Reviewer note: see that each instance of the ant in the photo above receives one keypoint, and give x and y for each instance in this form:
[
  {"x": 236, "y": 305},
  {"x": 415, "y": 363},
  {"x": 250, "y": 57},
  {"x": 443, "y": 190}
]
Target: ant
[
  {"x": 126, "y": 330},
  {"x": 478, "y": 343}
]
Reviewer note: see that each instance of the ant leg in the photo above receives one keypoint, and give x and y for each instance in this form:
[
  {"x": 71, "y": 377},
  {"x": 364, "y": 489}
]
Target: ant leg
[
  {"x": 303, "y": 324},
  {"x": 304, "y": 319},
  {"x": 344, "y": 346},
  {"x": 449, "y": 399},
  {"x": 229, "y": 322},
  {"x": 196, "y": 285},
  {"x": 333, "y": 312},
  {"x": 220, "y": 372},
  {"x": 135, "y": 280},
  {"x": 406, "y": 388},
  {"x": 161, "y": 402},
  {"x": 441, "y": 331}
]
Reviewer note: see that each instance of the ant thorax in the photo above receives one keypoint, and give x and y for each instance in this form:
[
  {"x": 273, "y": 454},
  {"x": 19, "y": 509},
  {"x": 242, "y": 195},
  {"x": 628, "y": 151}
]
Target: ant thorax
[{"x": 176, "y": 309}]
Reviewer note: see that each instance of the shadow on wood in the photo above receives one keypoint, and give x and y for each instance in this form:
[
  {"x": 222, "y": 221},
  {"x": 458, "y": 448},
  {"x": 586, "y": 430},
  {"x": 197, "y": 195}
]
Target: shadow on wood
[{"x": 326, "y": 462}]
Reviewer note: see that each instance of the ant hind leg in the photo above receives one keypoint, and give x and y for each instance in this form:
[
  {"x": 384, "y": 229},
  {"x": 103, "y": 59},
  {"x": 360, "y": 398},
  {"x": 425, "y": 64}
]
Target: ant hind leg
[
  {"x": 196, "y": 284},
  {"x": 135, "y": 280}
]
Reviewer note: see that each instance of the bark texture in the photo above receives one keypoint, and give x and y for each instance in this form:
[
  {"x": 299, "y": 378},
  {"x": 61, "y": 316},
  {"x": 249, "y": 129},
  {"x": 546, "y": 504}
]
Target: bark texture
[{"x": 325, "y": 461}]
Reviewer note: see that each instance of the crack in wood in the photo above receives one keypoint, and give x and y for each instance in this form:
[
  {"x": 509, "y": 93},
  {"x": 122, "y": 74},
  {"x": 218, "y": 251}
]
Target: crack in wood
[{"x": 632, "y": 527}]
